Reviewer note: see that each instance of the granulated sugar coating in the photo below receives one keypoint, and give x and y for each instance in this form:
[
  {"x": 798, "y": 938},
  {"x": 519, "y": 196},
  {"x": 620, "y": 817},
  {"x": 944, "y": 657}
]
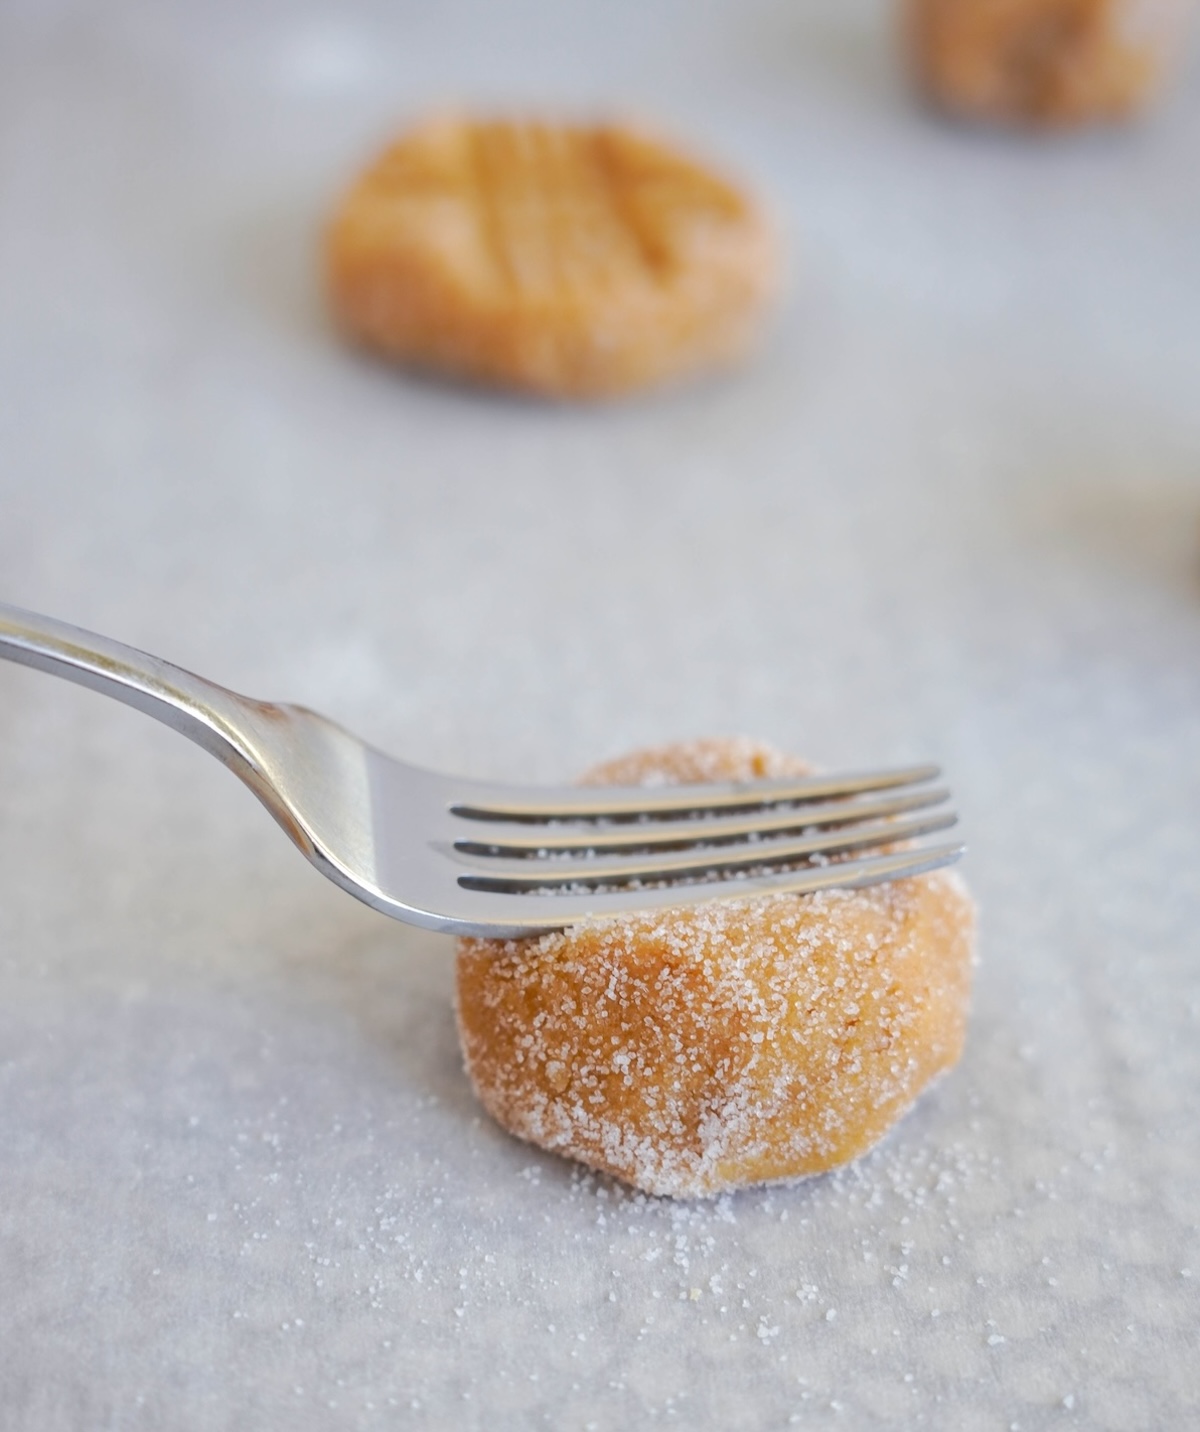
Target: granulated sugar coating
[{"x": 695, "y": 1050}]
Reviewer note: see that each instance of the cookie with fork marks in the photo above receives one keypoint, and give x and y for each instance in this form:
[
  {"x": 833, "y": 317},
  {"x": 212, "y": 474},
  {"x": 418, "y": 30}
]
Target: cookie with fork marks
[{"x": 563, "y": 260}]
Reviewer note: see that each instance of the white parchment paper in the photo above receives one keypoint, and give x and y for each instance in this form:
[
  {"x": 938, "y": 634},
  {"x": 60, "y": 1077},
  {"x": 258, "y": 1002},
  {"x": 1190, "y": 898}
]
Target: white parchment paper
[{"x": 952, "y": 509}]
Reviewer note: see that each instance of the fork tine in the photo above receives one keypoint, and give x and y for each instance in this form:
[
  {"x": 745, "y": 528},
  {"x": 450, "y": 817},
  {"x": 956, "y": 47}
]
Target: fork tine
[
  {"x": 524, "y": 875},
  {"x": 512, "y": 916},
  {"x": 635, "y": 802},
  {"x": 661, "y": 835}
]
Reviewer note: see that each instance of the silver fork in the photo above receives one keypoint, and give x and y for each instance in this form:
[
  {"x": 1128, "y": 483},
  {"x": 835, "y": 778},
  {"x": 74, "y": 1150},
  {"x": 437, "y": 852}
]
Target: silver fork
[{"x": 474, "y": 858}]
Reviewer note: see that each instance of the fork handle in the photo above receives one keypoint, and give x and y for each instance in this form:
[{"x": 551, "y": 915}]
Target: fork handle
[{"x": 201, "y": 710}]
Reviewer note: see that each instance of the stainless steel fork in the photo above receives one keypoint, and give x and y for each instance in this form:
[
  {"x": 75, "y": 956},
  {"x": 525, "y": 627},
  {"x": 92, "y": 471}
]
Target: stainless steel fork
[{"x": 471, "y": 857}]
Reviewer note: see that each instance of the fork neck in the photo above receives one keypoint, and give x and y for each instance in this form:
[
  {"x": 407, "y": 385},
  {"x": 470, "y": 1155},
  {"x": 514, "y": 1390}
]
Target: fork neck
[{"x": 201, "y": 710}]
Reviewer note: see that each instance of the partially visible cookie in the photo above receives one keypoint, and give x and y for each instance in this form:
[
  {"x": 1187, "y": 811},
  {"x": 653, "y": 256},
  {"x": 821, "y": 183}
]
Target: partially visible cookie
[
  {"x": 563, "y": 260},
  {"x": 1044, "y": 62}
]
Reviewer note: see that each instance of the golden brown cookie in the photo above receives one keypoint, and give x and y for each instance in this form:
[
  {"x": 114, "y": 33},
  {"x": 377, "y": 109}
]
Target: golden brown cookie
[
  {"x": 559, "y": 259},
  {"x": 1043, "y": 62},
  {"x": 694, "y": 1050}
]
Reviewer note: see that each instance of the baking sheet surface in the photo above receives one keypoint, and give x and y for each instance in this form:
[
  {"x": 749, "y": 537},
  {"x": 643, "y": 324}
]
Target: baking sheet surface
[{"x": 952, "y": 509}]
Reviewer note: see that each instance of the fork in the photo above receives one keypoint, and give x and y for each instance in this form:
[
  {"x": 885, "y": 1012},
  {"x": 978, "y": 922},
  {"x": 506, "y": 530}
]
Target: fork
[{"x": 475, "y": 858}]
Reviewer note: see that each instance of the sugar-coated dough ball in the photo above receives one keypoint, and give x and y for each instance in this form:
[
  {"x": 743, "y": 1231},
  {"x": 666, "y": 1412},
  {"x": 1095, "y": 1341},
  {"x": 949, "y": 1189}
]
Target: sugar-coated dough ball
[
  {"x": 693, "y": 1050},
  {"x": 1044, "y": 62},
  {"x": 565, "y": 260}
]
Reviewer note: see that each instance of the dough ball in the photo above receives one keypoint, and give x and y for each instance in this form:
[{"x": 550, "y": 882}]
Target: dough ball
[
  {"x": 1044, "y": 62},
  {"x": 693, "y": 1050}
]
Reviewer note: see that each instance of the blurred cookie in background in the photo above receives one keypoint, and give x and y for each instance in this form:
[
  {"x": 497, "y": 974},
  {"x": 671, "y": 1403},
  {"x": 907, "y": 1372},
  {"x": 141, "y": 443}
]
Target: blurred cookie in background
[
  {"x": 1047, "y": 63},
  {"x": 564, "y": 260}
]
